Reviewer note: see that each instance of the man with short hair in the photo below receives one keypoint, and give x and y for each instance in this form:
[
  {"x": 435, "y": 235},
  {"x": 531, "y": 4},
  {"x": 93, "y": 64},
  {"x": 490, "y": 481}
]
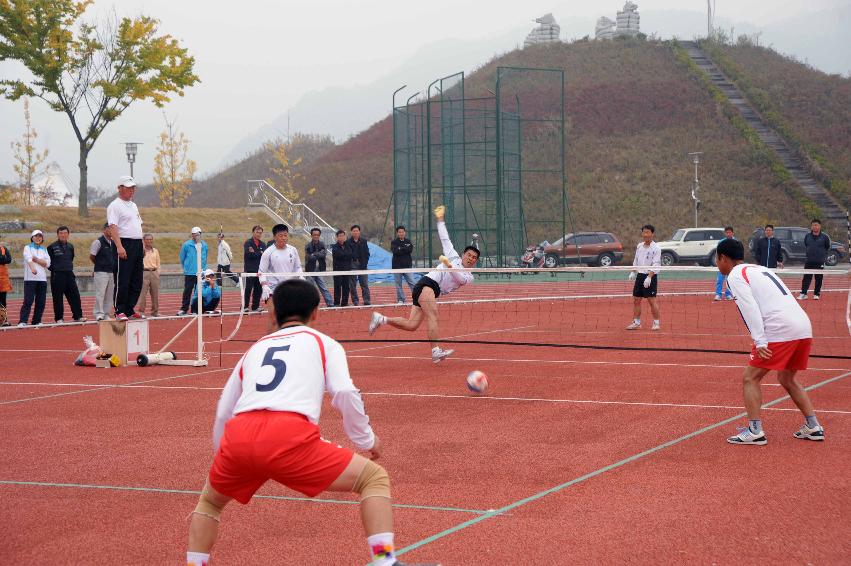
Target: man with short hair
[
  {"x": 63, "y": 282},
  {"x": 341, "y": 252},
  {"x": 125, "y": 224},
  {"x": 189, "y": 261},
  {"x": 253, "y": 249},
  {"x": 402, "y": 249},
  {"x": 817, "y": 244},
  {"x": 360, "y": 261},
  {"x": 224, "y": 259},
  {"x": 648, "y": 254},
  {"x": 720, "y": 279},
  {"x": 277, "y": 260},
  {"x": 769, "y": 251},
  {"x": 151, "y": 282},
  {"x": 782, "y": 337},
  {"x": 104, "y": 256},
  {"x": 314, "y": 255},
  {"x": 211, "y": 294}
]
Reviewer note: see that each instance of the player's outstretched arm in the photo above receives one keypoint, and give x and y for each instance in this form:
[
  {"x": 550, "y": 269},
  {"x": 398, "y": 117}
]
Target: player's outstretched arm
[
  {"x": 346, "y": 398},
  {"x": 227, "y": 403}
]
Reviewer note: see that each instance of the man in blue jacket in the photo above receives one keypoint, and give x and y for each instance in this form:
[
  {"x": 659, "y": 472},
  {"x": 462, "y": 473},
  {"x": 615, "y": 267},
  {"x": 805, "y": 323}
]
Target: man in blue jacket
[
  {"x": 189, "y": 261},
  {"x": 817, "y": 244},
  {"x": 769, "y": 252},
  {"x": 211, "y": 294}
]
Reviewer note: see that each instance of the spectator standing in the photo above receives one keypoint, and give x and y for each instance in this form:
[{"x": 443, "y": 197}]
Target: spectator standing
[
  {"x": 189, "y": 261},
  {"x": 151, "y": 281},
  {"x": 211, "y": 294},
  {"x": 104, "y": 256},
  {"x": 402, "y": 249},
  {"x": 224, "y": 259},
  {"x": 252, "y": 252},
  {"x": 5, "y": 283},
  {"x": 63, "y": 282},
  {"x": 314, "y": 258},
  {"x": 721, "y": 279},
  {"x": 817, "y": 244},
  {"x": 769, "y": 251},
  {"x": 360, "y": 260},
  {"x": 341, "y": 252},
  {"x": 125, "y": 224},
  {"x": 36, "y": 262}
]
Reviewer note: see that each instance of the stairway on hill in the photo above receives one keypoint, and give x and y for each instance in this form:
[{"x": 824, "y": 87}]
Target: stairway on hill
[{"x": 832, "y": 211}]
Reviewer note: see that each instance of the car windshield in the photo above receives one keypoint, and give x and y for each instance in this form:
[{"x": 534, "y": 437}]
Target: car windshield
[
  {"x": 678, "y": 235},
  {"x": 560, "y": 241}
]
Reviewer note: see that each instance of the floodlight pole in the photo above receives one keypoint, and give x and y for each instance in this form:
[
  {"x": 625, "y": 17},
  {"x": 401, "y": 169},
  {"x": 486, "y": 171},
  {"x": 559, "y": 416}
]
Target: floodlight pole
[
  {"x": 131, "y": 148},
  {"x": 695, "y": 155}
]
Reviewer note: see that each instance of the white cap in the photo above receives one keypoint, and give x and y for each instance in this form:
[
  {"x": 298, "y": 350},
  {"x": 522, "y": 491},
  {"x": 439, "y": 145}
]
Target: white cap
[
  {"x": 196, "y": 230},
  {"x": 209, "y": 272},
  {"x": 126, "y": 181},
  {"x": 36, "y": 233}
]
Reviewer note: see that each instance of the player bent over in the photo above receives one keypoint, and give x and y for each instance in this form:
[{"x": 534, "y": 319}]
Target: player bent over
[
  {"x": 782, "y": 336},
  {"x": 441, "y": 281},
  {"x": 266, "y": 428}
]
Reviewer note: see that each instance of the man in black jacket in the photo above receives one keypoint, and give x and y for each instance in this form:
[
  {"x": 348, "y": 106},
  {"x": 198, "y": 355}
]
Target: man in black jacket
[
  {"x": 768, "y": 249},
  {"x": 341, "y": 252},
  {"x": 252, "y": 252},
  {"x": 402, "y": 249},
  {"x": 817, "y": 244},
  {"x": 360, "y": 260},
  {"x": 63, "y": 282},
  {"x": 314, "y": 259}
]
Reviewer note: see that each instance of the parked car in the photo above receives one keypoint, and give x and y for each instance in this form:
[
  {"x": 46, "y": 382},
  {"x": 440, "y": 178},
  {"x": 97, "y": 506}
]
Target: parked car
[
  {"x": 792, "y": 245},
  {"x": 594, "y": 248},
  {"x": 691, "y": 245}
]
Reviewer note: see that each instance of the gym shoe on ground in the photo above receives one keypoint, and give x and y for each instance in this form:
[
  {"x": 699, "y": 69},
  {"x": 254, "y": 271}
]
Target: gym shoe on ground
[
  {"x": 802, "y": 297},
  {"x": 216, "y": 311},
  {"x": 656, "y": 326},
  {"x": 99, "y": 318},
  {"x": 21, "y": 324},
  {"x": 137, "y": 315},
  {"x": 181, "y": 312},
  {"x": 745, "y": 436},
  {"x": 375, "y": 322},
  {"x": 807, "y": 433},
  {"x": 121, "y": 316},
  {"x": 81, "y": 319},
  {"x": 815, "y": 297},
  {"x": 731, "y": 298},
  {"x": 717, "y": 297},
  {"x": 634, "y": 326},
  {"x": 60, "y": 321},
  {"x": 438, "y": 354}
]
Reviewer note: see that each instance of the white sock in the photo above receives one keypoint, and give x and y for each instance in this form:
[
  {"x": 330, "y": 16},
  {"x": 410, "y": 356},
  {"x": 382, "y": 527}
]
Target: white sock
[
  {"x": 381, "y": 549},
  {"x": 383, "y": 320},
  {"x": 636, "y": 320},
  {"x": 197, "y": 559}
]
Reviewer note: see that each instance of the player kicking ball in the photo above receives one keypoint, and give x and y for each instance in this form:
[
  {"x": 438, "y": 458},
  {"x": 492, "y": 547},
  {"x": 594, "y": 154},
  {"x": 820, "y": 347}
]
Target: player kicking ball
[
  {"x": 266, "y": 428},
  {"x": 441, "y": 281},
  {"x": 782, "y": 336}
]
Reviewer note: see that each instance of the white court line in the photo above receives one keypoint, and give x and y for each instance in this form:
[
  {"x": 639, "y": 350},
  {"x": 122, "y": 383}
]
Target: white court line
[{"x": 477, "y": 398}]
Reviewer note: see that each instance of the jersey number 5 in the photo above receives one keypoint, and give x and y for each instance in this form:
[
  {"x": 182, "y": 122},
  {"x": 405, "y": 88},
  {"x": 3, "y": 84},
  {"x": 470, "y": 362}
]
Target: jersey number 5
[{"x": 279, "y": 365}]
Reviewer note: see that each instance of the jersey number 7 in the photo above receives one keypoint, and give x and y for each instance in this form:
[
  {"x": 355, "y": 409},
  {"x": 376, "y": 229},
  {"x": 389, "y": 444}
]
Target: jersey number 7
[{"x": 279, "y": 365}]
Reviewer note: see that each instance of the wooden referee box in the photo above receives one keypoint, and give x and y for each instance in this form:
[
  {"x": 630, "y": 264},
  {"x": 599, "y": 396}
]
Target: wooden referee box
[{"x": 124, "y": 338}]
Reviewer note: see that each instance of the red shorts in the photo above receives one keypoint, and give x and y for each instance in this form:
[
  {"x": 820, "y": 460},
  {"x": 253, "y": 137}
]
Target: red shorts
[
  {"x": 793, "y": 354},
  {"x": 286, "y": 447}
]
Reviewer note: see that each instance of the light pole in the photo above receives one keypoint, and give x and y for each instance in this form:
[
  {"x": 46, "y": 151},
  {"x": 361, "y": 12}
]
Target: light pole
[
  {"x": 131, "y": 148},
  {"x": 695, "y": 155}
]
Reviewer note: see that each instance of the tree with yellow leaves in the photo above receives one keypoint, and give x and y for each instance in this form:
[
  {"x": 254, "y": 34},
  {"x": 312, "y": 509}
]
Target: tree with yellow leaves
[
  {"x": 173, "y": 170},
  {"x": 29, "y": 163},
  {"x": 283, "y": 175}
]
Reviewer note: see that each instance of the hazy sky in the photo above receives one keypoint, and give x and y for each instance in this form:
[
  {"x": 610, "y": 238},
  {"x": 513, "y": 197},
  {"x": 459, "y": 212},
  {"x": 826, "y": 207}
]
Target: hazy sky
[{"x": 256, "y": 58}]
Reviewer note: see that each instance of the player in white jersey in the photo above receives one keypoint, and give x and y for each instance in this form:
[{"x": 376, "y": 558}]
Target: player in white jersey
[
  {"x": 266, "y": 428},
  {"x": 280, "y": 258},
  {"x": 782, "y": 336},
  {"x": 648, "y": 255},
  {"x": 443, "y": 280}
]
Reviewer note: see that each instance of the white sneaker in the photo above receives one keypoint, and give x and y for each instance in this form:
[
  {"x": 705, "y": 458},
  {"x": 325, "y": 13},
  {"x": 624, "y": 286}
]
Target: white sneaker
[
  {"x": 60, "y": 321},
  {"x": 656, "y": 326},
  {"x": 807, "y": 433},
  {"x": 745, "y": 436},
  {"x": 815, "y": 297},
  {"x": 375, "y": 322},
  {"x": 181, "y": 313},
  {"x": 438, "y": 355},
  {"x": 717, "y": 298},
  {"x": 802, "y": 297},
  {"x": 731, "y": 298},
  {"x": 634, "y": 326},
  {"x": 21, "y": 324}
]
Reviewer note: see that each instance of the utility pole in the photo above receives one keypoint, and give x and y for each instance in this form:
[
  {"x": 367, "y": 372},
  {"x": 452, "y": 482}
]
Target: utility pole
[{"x": 695, "y": 155}]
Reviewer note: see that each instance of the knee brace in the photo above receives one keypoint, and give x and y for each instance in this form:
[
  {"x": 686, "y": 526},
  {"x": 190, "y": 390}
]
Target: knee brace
[
  {"x": 373, "y": 481},
  {"x": 206, "y": 507}
]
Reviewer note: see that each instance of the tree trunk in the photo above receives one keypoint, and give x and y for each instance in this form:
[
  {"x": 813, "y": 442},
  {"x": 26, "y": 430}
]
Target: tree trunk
[{"x": 83, "y": 203}]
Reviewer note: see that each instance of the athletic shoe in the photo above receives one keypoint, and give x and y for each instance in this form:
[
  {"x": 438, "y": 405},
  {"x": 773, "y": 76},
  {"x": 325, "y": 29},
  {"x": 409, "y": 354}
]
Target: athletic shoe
[
  {"x": 807, "y": 433},
  {"x": 717, "y": 297},
  {"x": 656, "y": 326},
  {"x": 6, "y": 323},
  {"x": 400, "y": 302},
  {"x": 121, "y": 316},
  {"x": 438, "y": 355},
  {"x": 99, "y": 318},
  {"x": 397, "y": 563},
  {"x": 634, "y": 326},
  {"x": 213, "y": 312},
  {"x": 258, "y": 310},
  {"x": 731, "y": 298},
  {"x": 81, "y": 319},
  {"x": 815, "y": 297},
  {"x": 374, "y": 323},
  {"x": 181, "y": 312},
  {"x": 60, "y": 321},
  {"x": 21, "y": 324},
  {"x": 137, "y": 315},
  {"x": 745, "y": 436},
  {"x": 246, "y": 310},
  {"x": 802, "y": 297}
]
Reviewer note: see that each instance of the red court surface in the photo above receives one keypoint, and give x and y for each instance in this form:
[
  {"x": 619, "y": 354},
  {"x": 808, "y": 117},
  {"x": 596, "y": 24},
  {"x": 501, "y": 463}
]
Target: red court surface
[{"x": 574, "y": 455}]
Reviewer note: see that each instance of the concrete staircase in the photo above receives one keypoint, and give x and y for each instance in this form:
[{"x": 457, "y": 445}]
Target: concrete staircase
[{"x": 833, "y": 214}]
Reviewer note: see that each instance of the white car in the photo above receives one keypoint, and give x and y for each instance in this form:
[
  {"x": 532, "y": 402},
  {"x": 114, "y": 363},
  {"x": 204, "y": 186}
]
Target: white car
[{"x": 692, "y": 245}]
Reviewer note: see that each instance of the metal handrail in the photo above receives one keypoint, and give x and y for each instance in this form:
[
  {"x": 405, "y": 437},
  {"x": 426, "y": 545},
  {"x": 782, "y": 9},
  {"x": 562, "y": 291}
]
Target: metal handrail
[{"x": 298, "y": 216}]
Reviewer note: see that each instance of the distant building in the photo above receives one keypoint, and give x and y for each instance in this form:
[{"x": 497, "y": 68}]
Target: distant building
[
  {"x": 54, "y": 187},
  {"x": 628, "y": 23},
  {"x": 547, "y": 32},
  {"x": 605, "y": 28}
]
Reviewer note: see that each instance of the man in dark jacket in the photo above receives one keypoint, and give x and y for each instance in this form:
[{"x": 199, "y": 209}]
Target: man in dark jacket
[
  {"x": 252, "y": 252},
  {"x": 63, "y": 282},
  {"x": 768, "y": 250},
  {"x": 104, "y": 256},
  {"x": 360, "y": 260},
  {"x": 314, "y": 259},
  {"x": 817, "y": 244},
  {"x": 341, "y": 252},
  {"x": 402, "y": 249}
]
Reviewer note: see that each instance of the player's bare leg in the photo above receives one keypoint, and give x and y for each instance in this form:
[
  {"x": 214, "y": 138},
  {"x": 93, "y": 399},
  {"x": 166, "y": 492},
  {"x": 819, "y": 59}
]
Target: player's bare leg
[
  {"x": 415, "y": 318},
  {"x": 787, "y": 379},
  {"x": 636, "y": 307},
  {"x": 752, "y": 389},
  {"x": 376, "y": 512},
  {"x": 204, "y": 525},
  {"x": 654, "y": 307}
]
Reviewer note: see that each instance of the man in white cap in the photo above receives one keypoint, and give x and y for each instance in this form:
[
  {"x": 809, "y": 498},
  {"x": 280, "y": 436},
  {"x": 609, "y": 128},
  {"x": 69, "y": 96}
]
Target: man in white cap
[
  {"x": 125, "y": 225},
  {"x": 189, "y": 261},
  {"x": 211, "y": 294}
]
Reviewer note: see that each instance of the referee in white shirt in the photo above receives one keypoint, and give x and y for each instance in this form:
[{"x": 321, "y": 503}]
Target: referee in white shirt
[
  {"x": 647, "y": 254},
  {"x": 276, "y": 259},
  {"x": 125, "y": 226}
]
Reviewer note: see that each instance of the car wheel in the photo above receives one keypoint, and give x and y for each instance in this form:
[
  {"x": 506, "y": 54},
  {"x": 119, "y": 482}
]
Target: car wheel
[
  {"x": 713, "y": 260},
  {"x": 668, "y": 258},
  {"x": 832, "y": 258},
  {"x": 605, "y": 260},
  {"x": 551, "y": 261}
]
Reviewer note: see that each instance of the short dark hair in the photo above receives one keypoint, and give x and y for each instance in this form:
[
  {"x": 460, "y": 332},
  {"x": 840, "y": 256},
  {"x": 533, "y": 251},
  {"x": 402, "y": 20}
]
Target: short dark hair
[
  {"x": 256, "y": 226},
  {"x": 294, "y": 299},
  {"x": 648, "y": 227},
  {"x": 732, "y": 249},
  {"x": 767, "y": 226},
  {"x": 815, "y": 221},
  {"x": 105, "y": 225},
  {"x": 354, "y": 226},
  {"x": 472, "y": 248},
  {"x": 61, "y": 228},
  {"x": 314, "y": 229},
  {"x": 730, "y": 228},
  {"x": 280, "y": 228},
  {"x": 343, "y": 232},
  {"x": 400, "y": 227}
]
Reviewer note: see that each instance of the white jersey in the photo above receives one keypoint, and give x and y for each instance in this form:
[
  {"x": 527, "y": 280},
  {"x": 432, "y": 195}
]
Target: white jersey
[
  {"x": 768, "y": 307},
  {"x": 290, "y": 370},
  {"x": 225, "y": 256},
  {"x": 276, "y": 260},
  {"x": 449, "y": 279},
  {"x": 125, "y": 215},
  {"x": 647, "y": 256},
  {"x": 31, "y": 252}
]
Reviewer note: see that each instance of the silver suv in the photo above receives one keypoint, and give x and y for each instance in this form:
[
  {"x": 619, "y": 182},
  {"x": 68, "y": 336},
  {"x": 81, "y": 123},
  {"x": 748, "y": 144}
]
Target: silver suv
[{"x": 692, "y": 244}]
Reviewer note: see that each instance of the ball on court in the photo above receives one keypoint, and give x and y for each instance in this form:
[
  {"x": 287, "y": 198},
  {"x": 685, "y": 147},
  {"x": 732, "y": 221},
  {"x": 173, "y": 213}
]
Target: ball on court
[{"x": 477, "y": 381}]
